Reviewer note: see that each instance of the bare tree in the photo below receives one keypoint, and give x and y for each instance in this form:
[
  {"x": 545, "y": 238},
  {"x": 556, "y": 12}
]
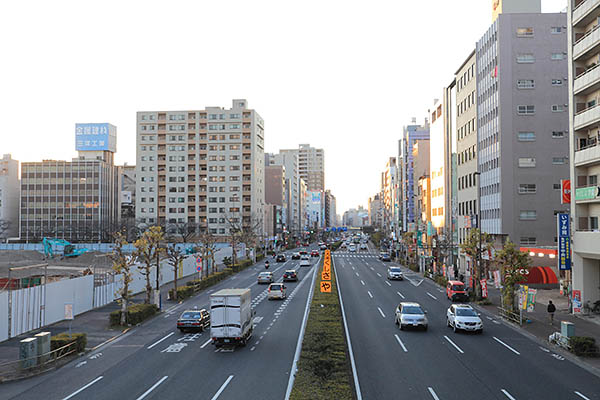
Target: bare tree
[
  {"x": 183, "y": 232},
  {"x": 175, "y": 257},
  {"x": 207, "y": 247},
  {"x": 242, "y": 229},
  {"x": 122, "y": 264},
  {"x": 148, "y": 249}
]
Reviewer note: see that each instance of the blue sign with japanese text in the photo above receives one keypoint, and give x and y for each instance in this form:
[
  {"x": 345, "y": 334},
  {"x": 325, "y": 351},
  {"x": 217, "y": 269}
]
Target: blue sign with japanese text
[
  {"x": 95, "y": 137},
  {"x": 564, "y": 242}
]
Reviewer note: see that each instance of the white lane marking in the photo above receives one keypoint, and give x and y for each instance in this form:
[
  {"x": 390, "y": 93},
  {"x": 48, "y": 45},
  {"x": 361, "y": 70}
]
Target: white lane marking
[
  {"x": 372, "y": 269},
  {"x": 147, "y": 392},
  {"x": 507, "y": 394},
  {"x": 363, "y": 282},
  {"x": 432, "y": 296},
  {"x": 352, "y": 362},
  {"x": 454, "y": 344},
  {"x": 401, "y": 295},
  {"x": 582, "y": 396},
  {"x": 370, "y": 295},
  {"x": 379, "y": 275},
  {"x": 294, "y": 368},
  {"x": 216, "y": 396},
  {"x": 433, "y": 393},
  {"x": 507, "y": 346},
  {"x": 401, "y": 344},
  {"x": 87, "y": 386},
  {"x": 381, "y": 312},
  {"x": 357, "y": 274},
  {"x": 389, "y": 284},
  {"x": 154, "y": 344},
  {"x": 206, "y": 343},
  {"x": 253, "y": 347}
]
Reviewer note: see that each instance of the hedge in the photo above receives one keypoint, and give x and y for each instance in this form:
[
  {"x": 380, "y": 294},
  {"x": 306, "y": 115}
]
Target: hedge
[
  {"x": 63, "y": 339},
  {"x": 182, "y": 293},
  {"x": 584, "y": 346},
  {"x": 324, "y": 367},
  {"x": 336, "y": 245},
  {"x": 136, "y": 314}
]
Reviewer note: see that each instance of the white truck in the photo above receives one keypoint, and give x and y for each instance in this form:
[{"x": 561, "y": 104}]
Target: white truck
[{"x": 231, "y": 317}]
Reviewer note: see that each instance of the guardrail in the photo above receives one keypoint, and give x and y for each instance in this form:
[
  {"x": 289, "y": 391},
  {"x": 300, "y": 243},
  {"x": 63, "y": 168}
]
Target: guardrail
[
  {"x": 510, "y": 315},
  {"x": 35, "y": 365}
]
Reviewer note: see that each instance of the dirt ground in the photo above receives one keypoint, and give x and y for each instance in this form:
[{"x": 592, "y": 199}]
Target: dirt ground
[{"x": 58, "y": 265}]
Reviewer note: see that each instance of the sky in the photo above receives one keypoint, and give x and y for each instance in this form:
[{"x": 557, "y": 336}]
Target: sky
[{"x": 345, "y": 76}]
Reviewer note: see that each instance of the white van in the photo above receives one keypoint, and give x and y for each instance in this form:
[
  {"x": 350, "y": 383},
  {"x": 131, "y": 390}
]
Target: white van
[{"x": 276, "y": 291}]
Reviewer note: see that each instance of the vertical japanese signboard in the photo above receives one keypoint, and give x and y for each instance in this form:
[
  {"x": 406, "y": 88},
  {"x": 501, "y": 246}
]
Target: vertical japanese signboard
[
  {"x": 326, "y": 273},
  {"x": 576, "y": 301},
  {"x": 564, "y": 241}
]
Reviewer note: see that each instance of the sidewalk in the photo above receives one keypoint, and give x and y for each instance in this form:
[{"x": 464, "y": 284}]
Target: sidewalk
[{"x": 95, "y": 323}]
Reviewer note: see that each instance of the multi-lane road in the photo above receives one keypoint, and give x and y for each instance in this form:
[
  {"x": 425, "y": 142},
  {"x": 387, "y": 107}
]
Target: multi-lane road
[{"x": 155, "y": 361}]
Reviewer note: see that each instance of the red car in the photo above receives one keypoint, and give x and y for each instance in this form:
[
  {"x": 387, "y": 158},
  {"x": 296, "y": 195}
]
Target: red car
[{"x": 314, "y": 253}]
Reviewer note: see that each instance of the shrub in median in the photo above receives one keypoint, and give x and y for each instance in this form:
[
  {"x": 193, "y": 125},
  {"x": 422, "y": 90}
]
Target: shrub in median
[
  {"x": 137, "y": 313},
  {"x": 182, "y": 293},
  {"x": 63, "y": 339},
  {"x": 584, "y": 346}
]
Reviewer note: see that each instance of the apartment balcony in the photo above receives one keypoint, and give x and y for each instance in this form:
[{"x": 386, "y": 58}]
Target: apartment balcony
[
  {"x": 582, "y": 13},
  {"x": 588, "y": 43},
  {"x": 587, "y": 194},
  {"x": 587, "y": 117},
  {"x": 587, "y": 82},
  {"x": 585, "y": 243},
  {"x": 588, "y": 155}
]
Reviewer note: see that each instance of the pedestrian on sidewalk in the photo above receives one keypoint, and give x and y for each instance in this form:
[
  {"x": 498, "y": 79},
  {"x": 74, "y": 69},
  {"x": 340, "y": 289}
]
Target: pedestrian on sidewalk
[{"x": 551, "y": 311}]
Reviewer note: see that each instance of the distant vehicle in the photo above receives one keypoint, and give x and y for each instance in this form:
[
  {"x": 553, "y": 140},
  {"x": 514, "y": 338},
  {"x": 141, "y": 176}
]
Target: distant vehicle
[
  {"x": 305, "y": 262},
  {"x": 383, "y": 256},
  {"x": 231, "y": 317},
  {"x": 463, "y": 317},
  {"x": 193, "y": 320},
  {"x": 363, "y": 246},
  {"x": 356, "y": 239},
  {"x": 410, "y": 314},
  {"x": 395, "y": 273},
  {"x": 303, "y": 252},
  {"x": 276, "y": 291},
  {"x": 265, "y": 277},
  {"x": 314, "y": 253},
  {"x": 290, "y": 275},
  {"x": 456, "y": 291},
  {"x": 53, "y": 246},
  {"x": 280, "y": 258},
  {"x": 352, "y": 248},
  {"x": 323, "y": 247},
  {"x": 296, "y": 256},
  {"x": 343, "y": 245}
]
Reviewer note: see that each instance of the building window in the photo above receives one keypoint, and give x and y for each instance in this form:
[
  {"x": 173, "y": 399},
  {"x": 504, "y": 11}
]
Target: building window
[
  {"x": 557, "y": 82},
  {"x": 526, "y": 110},
  {"x": 594, "y": 223},
  {"x": 559, "y": 160},
  {"x": 524, "y": 32},
  {"x": 557, "y": 56},
  {"x": 556, "y": 186},
  {"x": 558, "y": 134},
  {"x": 556, "y": 30},
  {"x": 527, "y": 162},
  {"x": 525, "y": 58},
  {"x": 558, "y": 108},
  {"x": 528, "y": 215},
  {"x": 525, "y": 84},
  {"x": 527, "y": 188},
  {"x": 526, "y": 136},
  {"x": 528, "y": 241}
]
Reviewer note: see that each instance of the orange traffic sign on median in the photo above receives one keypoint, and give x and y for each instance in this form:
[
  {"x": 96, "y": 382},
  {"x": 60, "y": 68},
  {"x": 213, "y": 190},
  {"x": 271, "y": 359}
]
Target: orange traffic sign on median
[
  {"x": 326, "y": 275},
  {"x": 325, "y": 287}
]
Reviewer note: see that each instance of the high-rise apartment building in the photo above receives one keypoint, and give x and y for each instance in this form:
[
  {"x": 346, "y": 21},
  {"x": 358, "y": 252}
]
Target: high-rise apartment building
[
  {"x": 389, "y": 191},
  {"x": 584, "y": 156},
  {"x": 78, "y": 201},
  {"x": 9, "y": 197},
  {"x": 293, "y": 196},
  {"x": 522, "y": 117},
  {"x": 311, "y": 166},
  {"x": 413, "y": 162},
  {"x": 375, "y": 211},
  {"x": 201, "y": 167}
]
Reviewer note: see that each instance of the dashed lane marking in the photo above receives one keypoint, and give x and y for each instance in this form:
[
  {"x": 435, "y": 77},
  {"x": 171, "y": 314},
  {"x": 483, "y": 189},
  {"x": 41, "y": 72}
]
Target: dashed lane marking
[
  {"x": 401, "y": 344},
  {"x": 507, "y": 394},
  {"x": 507, "y": 346}
]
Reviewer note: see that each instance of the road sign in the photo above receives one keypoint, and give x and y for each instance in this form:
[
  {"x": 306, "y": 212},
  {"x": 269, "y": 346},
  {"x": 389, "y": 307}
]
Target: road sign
[
  {"x": 326, "y": 275},
  {"x": 325, "y": 287},
  {"x": 69, "y": 311}
]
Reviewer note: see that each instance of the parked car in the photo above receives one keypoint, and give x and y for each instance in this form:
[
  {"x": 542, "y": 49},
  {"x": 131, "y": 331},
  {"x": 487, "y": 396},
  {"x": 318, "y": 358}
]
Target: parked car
[
  {"x": 410, "y": 315},
  {"x": 383, "y": 256},
  {"x": 193, "y": 320},
  {"x": 395, "y": 273},
  {"x": 265, "y": 277},
  {"x": 280, "y": 258},
  {"x": 290, "y": 275},
  {"x": 276, "y": 291},
  {"x": 463, "y": 317},
  {"x": 296, "y": 256},
  {"x": 456, "y": 291},
  {"x": 314, "y": 253}
]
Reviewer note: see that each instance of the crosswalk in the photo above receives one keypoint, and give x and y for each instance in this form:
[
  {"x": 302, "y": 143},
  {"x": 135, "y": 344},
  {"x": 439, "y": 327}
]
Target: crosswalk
[{"x": 346, "y": 254}]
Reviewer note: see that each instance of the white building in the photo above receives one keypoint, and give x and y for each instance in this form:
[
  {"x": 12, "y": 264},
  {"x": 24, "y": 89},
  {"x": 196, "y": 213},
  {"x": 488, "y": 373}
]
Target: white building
[
  {"x": 311, "y": 166},
  {"x": 9, "y": 197}
]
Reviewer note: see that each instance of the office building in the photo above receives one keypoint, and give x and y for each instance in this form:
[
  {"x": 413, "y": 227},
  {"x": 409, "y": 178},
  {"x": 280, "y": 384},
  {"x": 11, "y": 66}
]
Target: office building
[
  {"x": 276, "y": 192},
  {"x": 9, "y": 197},
  {"x": 389, "y": 190},
  {"x": 204, "y": 167},
  {"x": 584, "y": 156},
  {"x": 375, "y": 209},
  {"x": 330, "y": 209},
  {"x": 311, "y": 166},
  {"x": 293, "y": 196},
  {"x": 78, "y": 201}
]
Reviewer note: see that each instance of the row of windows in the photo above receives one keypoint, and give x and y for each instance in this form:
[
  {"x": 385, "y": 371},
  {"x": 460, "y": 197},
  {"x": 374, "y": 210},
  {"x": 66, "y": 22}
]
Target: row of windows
[
  {"x": 466, "y": 129},
  {"x": 529, "y": 58},
  {"x": 466, "y": 181},
  {"x": 530, "y": 83},
  {"x": 466, "y": 104},
  {"x": 530, "y": 109},
  {"x": 467, "y": 207},
  {"x": 528, "y": 31},
  {"x": 467, "y": 155},
  {"x": 531, "y": 136},
  {"x": 222, "y": 127},
  {"x": 528, "y": 162},
  {"x": 468, "y": 75}
]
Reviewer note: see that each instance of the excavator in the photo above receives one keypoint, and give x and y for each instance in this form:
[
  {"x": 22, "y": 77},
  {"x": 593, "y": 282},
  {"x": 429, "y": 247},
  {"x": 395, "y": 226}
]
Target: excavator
[{"x": 52, "y": 248}]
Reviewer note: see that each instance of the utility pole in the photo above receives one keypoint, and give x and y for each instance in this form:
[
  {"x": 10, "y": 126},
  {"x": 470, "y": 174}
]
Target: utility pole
[{"x": 479, "y": 227}]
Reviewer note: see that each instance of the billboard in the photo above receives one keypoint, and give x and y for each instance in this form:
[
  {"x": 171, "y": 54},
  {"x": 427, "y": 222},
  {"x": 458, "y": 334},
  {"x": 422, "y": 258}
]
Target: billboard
[
  {"x": 565, "y": 189},
  {"x": 564, "y": 241},
  {"x": 96, "y": 137},
  {"x": 126, "y": 197}
]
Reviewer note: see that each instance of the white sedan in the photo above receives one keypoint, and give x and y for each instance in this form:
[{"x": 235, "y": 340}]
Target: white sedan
[{"x": 463, "y": 317}]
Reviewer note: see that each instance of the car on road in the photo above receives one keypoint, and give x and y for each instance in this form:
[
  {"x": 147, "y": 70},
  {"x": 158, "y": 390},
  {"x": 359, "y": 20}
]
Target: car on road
[
  {"x": 305, "y": 261},
  {"x": 303, "y": 252},
  {"x": 395, "y": 273},
  {"x": 383, "y": 256},
  {"x": 276, "y": 291},
  {"x": 323, "y": 247},
  {"x": 363, "y": 246},
  {"x": 280, "y": 258},
  {"x": 296, "y": 256},
  {"x": 193, "y": 320},
  {"x": 343, "y": 245},
  {"x": 463, "y": 317},
  {"x": 410, "y": 314},
  {"x": 314, "y": 253},
  {"x": 290, "y": 275},
  {"x": 352, "y": 248},
  {"x": 456, "y": 291},
  {"x": 265, "y": 277}
]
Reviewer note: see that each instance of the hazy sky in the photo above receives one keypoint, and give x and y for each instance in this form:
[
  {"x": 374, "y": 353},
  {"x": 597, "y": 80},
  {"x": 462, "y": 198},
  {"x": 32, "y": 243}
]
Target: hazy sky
[{"x": 342, "y": 75}]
